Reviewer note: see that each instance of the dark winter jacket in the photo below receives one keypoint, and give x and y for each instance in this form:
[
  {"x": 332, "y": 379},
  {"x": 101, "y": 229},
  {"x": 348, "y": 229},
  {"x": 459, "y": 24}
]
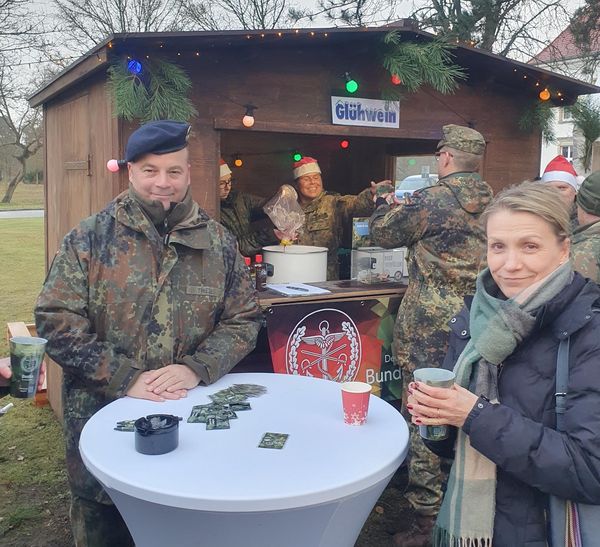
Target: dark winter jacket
[{"x": 519, "y": 436}]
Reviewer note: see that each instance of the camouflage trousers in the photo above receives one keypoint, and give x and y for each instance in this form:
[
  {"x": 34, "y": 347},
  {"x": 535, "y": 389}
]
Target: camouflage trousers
[
  {"x": 97, "y": 525},
  {"x": 426, "y": 475}
]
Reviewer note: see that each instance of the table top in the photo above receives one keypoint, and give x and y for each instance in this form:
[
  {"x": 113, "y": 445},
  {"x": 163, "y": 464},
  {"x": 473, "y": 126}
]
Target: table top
[
  {"x": 224, "y": 470},
  {"x": 340, "y": 290}
]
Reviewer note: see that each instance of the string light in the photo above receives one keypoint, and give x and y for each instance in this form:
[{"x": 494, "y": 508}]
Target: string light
[
  {"x": 344, "y": 144},
  {"x": 544, "y": 94},
  {"x": 351, "y": 85},
  {"x": 134, "y": 66},
  {"x": 248, "y": 119},
  {"x": 396, "y": 79},
  {"x": 238, "y": 162},
  {"x": 297, "y": 156}
]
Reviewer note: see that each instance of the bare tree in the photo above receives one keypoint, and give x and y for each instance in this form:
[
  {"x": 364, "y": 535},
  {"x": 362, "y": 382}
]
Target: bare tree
[
  {"x": 88, "y": 22},
  {"x": 21, "y": 127},
  {"x": 506, "y": 27},
  {"x": 231, "y": 14},
  {"x": 357, "y": 13}
]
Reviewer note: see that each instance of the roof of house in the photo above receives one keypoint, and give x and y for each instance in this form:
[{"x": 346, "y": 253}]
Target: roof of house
[
  {"x": 480, "y": 64},
  {"x": 564, "y": 47}
]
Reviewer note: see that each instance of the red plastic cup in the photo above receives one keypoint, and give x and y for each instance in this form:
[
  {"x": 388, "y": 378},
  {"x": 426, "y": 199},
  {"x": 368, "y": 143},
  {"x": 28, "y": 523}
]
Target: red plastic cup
[{"x": 355, "y": 402}]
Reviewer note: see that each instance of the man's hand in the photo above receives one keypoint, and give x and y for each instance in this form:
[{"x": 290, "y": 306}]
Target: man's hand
[
  {"x": 382, "y": 187},
  {"x": 140, "y": 390},
  {"x": 171, "y": 379}
]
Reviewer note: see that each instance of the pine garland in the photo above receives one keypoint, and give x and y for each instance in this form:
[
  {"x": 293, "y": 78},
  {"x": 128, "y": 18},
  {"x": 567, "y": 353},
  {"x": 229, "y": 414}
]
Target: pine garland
[
  {"x": 420, "y": 64},
  {"x": 159, "y": 91},
  {"x": 538, "y": 116}
]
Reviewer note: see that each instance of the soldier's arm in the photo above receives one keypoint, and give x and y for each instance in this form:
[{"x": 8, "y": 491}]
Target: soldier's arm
[
  {"x": 260, "y": 229},
  {"x": 61, "y": 316},
  {"x": 399, "y": 226},
  {"x": 586, "y": 262},
  {"x": 355, "y": 206},
  {"x": 235, "y": 334}
]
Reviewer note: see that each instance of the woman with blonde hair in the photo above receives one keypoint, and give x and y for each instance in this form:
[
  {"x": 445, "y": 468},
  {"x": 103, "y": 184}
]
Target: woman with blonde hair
[{"x": 508, "y": 455}]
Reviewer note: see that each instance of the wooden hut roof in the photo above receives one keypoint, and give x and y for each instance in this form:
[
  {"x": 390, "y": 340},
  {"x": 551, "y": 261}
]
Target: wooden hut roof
[{"x": 480, "y": 65}]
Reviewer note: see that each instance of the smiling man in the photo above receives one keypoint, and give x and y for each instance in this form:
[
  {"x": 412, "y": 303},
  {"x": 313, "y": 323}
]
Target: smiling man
[
  {"x": 147, "y": 298},
  {"x": 326, "y": 213}
]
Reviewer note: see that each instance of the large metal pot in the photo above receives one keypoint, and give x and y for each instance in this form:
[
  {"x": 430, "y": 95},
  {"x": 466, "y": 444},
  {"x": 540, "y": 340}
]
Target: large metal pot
[{"x": 296, "y": 263}]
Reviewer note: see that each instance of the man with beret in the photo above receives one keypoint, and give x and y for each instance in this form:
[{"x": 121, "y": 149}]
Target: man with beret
[
  {"x": 326, "y": 213},
  {"x": 585, "y": 242},
  {"x": 242, "y": 214},
  {"x": 446, "y": 247},
  {"x": 147, "y": 298}
]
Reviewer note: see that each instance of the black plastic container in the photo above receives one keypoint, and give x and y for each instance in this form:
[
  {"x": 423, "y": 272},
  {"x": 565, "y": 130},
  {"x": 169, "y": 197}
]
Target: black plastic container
[{"x": 156, "y": 434}]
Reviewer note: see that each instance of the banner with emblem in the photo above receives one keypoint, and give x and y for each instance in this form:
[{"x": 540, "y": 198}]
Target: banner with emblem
[{"x": 341, "y": 341}]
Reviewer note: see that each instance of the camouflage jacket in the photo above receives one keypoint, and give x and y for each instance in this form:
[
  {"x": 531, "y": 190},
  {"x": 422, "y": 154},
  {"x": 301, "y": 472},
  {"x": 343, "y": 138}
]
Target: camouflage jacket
[
  {"x": 446, "y": 246},
  {"x": 120, "y": 299},
  {"x": 242, "y": 214},
  {"x": 326, "y": 216},
  {"x": 585, "y": 251}
]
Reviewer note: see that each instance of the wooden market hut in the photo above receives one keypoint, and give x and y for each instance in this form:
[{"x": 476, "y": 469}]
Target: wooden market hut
[{"x": 290, "y": 76}]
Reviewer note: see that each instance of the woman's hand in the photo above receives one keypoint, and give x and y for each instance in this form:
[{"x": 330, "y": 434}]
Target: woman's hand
[{"x": 439, "y": 405}]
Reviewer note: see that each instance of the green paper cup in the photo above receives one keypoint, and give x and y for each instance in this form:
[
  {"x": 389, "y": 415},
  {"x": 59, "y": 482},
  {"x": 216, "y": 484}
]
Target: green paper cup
[
  {"x": 435, "y": 377},
  {"x": 26, "y": 355}
]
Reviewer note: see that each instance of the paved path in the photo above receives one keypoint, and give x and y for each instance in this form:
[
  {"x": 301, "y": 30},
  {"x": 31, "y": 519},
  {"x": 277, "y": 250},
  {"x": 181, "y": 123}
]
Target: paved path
[{"x": 22, "y": 213}]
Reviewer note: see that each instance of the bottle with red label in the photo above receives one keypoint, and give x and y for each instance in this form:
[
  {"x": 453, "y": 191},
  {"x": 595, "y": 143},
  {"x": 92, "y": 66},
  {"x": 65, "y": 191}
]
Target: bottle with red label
[
  {"x": 260, "y": 273},
  {"x": 250, "y": 269}
]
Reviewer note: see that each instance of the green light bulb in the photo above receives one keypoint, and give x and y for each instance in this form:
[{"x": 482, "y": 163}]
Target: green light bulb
[
  {"x": 351, "y": 86},
  {"x": 297, "y": 156}
]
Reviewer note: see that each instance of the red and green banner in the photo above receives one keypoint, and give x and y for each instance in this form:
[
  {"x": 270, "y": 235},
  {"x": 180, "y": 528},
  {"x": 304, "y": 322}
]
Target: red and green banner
[{"x": 340, "y": 341}]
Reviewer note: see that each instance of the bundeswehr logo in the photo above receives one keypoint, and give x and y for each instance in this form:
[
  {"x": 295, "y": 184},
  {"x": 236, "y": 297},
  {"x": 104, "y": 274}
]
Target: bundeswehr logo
[{"x": 324, "y": 344}]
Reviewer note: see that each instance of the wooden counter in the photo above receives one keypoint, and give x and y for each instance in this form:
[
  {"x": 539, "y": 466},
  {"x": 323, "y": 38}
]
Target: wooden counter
[{"x": 340, "y": 290}]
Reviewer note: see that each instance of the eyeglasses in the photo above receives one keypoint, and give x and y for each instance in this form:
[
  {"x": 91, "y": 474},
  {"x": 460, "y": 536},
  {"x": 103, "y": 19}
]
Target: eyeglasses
[
  {"x": 438, "y": 154},
  {"x": 225, "y": 183}
]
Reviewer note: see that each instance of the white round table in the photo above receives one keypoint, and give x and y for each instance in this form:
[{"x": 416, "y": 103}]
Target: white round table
[{"x": 218, "y": 489}]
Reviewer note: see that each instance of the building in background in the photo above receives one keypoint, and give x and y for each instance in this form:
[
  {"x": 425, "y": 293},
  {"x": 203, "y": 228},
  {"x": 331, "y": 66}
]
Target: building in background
[{"x": 564, "y": 56}]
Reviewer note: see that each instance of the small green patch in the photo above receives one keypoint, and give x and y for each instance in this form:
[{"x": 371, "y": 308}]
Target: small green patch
[{"x": 19, "y": 515}]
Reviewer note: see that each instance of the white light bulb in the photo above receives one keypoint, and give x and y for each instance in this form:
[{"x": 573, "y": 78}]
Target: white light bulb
[{"x": 248, "y": 121}]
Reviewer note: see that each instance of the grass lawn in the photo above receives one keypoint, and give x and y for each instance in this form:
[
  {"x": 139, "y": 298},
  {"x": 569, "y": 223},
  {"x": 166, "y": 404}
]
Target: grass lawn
[
  {"x": 26, "y": 196},
  {"x": 34, "y": 495},
  {"x": 21, "y": 272}
]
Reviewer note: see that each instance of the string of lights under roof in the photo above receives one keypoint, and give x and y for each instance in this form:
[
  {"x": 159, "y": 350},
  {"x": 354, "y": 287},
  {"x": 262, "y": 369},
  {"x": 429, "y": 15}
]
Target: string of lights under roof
[{"x": 545, "y": 92}]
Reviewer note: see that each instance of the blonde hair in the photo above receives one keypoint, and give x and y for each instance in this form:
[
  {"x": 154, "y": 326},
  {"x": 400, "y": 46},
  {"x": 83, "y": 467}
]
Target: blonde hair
[{"x": 541, "y": 200}]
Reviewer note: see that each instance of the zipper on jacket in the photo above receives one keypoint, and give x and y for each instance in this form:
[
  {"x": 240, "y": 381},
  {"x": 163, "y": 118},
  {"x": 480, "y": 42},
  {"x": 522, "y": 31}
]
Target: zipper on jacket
[{"x": 167, "y": 234}]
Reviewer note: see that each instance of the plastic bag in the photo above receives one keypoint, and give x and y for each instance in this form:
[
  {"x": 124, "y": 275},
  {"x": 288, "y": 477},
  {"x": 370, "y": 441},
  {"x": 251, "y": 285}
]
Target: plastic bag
[{"x": 287, "y": 215}]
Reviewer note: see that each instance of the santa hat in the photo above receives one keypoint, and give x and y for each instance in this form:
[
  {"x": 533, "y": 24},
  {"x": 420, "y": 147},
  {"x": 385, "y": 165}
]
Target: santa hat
[
  {"x": 223, "y": 169},
  {"x": 306, "y": 166},
  {"x": 560, "y": 169}
]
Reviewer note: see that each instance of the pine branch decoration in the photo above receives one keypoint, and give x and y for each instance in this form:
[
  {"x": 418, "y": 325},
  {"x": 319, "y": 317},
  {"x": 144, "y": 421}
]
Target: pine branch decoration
[
  {"x": 538, "y": 116},
  {"x": 160, "y": 91},
  {"x": 420, "y": 64}
]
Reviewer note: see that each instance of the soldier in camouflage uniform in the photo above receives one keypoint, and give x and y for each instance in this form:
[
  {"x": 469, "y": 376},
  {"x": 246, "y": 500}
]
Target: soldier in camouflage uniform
[
  {"x": 446, "y": 247},
  {"x": 585, "y": 242},
  {"x": 242, "y": 214},
  {"x": 147, "y": 298},
  {"x": 326, "y": 213}
]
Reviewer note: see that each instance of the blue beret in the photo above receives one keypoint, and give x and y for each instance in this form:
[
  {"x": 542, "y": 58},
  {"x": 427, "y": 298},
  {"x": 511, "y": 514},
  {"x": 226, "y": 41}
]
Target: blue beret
[{"x": 159, "y": 137}]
